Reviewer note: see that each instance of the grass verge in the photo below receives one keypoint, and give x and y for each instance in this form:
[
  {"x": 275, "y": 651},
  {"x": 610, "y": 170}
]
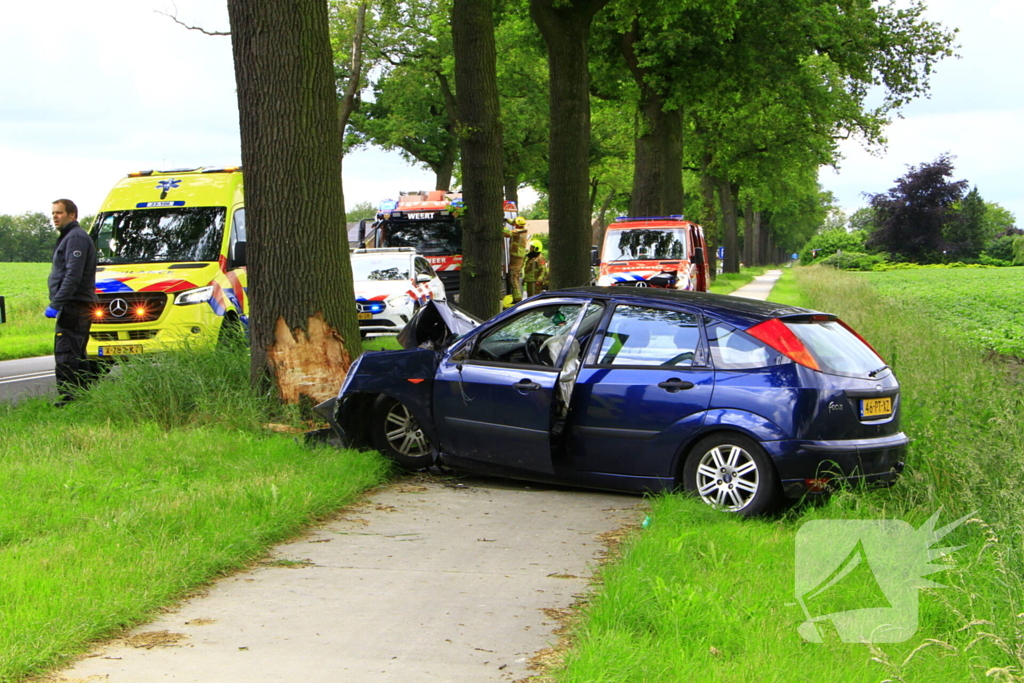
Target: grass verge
[
  {"x": 704, "y": 596},
  {"x": 156, "y": 482}
]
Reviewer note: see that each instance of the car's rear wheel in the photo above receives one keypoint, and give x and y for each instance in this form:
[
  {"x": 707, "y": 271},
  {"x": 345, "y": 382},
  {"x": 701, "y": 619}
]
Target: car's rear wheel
[
  {"x": 732, "y": 472},
  {"x": 398, "y": 435}
]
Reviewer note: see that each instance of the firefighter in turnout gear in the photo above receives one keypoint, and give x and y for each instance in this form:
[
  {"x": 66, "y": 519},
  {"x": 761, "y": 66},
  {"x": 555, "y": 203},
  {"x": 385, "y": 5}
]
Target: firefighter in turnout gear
[
  {"x": 536, "y": 272},
  {"x": 517, "y": 255}
]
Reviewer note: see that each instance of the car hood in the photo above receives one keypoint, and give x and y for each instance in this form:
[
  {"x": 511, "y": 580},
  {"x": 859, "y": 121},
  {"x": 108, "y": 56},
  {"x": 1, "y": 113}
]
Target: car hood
[{"x": 436, "y": 325}]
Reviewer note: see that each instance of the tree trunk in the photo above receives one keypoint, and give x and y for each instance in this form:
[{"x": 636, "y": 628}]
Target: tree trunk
[
  {"x": 444, "y": 171},
  {"x": 730, "y": 240},
  {"x": 479, "y": 130},
  {"x": 658, "y": 157},
  {"x": 749, "y": 234},
  {"x": 512, "y": 188},
  {"x": 601, "y": 225},
  {"x": 710, "y": 221},
  {"x": 565, "y": 26},
  {"x": 303, "y": 320}
]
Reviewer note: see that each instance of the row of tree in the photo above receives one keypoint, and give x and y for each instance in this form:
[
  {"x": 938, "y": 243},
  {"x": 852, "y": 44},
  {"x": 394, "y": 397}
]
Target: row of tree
[
  {"x": 598, "y": 103},
  {"x": 29, "y": 237},
  {"x": 723, "y": 111}
]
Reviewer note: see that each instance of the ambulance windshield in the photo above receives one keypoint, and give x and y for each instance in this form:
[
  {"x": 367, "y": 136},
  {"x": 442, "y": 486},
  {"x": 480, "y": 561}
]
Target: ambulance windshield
[{"x": 159, "y": 235}]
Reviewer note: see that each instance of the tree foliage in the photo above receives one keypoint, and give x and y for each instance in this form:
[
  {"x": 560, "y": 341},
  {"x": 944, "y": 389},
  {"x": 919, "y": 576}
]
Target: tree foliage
[
  {"x": 914, "y": 214},
  {"x": 29, "y": 237}
]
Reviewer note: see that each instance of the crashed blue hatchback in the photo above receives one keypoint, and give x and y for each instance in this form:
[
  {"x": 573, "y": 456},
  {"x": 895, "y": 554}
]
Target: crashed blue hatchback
[{"x": 741, "y": 402}]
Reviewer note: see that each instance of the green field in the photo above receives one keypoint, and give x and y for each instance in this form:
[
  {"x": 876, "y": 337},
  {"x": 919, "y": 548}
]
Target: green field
[
  {"x": 27, "y": 332},
  {"x": 984, "y": 305}
]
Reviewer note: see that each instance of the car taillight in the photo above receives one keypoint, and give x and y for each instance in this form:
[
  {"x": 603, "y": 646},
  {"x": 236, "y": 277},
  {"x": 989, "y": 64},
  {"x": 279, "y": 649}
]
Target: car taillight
[{"x": 775, "y": 334}]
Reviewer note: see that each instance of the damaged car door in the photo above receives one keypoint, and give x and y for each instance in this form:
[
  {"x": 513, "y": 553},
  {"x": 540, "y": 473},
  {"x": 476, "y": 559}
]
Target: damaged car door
[{"x": 497, "y": 394}]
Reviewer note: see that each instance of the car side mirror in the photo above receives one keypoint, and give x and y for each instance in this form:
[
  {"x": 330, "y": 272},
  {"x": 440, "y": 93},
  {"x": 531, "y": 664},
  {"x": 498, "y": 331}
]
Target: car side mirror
[
  {"x": 423, "y": 277},
  {"x": 238, "y": 259},
  {"x": 698, "y": 255},
  {"x": 595, "y": 258}
]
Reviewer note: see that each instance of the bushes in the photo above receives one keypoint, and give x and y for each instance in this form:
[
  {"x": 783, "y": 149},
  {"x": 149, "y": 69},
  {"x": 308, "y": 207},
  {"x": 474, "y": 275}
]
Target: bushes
[
  {"x": 852, "y": 260},
  {"x": 830, "y": 242}
]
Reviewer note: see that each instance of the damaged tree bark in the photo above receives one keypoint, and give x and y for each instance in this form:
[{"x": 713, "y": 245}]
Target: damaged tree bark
[{"x": 303, "y": 326}]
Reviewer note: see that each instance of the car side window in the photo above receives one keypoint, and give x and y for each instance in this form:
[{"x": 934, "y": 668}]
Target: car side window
[
  {"x": 642, "y": 335},
  {"x": 522, "y": 340},
  {"x": 734, "y": 350}
]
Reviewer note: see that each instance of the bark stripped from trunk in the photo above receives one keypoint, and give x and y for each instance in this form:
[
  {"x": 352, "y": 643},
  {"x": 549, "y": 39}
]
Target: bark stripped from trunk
[
  {"x": 297, "y": 357},
  {"x": 300, "y": 276}
]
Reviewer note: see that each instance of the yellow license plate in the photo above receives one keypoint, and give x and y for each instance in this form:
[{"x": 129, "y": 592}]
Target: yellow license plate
[
  {"x": 364, "y": 316},
  {"x": 121, "y": 350},
  {"x": 876, "y": 407}
]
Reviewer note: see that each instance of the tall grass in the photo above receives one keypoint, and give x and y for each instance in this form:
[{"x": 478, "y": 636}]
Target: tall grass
[
  {"x": 155, "y": 482},
  {"x": 703, "y": 596}
]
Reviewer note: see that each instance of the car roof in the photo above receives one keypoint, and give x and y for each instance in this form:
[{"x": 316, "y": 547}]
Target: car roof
[{"x": 729, "y": 309}]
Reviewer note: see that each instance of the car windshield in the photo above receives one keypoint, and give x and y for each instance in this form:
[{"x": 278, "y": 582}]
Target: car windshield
[
  {"x": 380, "y": 268},
  {"x": 837, "y": 349},
  {"x": 645, "y": 244},
  {"x": 431, "y": 238},
  {"x": 160, "y": 235}
]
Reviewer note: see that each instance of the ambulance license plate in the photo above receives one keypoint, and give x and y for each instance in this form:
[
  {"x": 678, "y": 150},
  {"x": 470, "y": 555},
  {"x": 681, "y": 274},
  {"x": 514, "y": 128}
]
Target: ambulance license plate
[
  {"x": 120, "y": 350},
  {"x": 364, "y": 316},
  {"x": 876, "y": 407}
]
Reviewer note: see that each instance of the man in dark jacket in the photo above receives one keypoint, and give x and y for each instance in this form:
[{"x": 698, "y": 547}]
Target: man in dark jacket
[{"x": 72, "y": 286}]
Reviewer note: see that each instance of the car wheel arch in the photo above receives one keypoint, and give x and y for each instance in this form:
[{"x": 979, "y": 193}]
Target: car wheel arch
[{"x": 686, "y": 449}]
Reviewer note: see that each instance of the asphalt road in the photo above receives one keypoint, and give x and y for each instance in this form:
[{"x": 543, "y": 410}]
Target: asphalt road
[{"x": 26, "y": 377}]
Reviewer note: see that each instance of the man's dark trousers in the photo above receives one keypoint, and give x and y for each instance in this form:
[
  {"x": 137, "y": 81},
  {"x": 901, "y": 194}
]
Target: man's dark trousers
[{"x": 73, "y": 369}]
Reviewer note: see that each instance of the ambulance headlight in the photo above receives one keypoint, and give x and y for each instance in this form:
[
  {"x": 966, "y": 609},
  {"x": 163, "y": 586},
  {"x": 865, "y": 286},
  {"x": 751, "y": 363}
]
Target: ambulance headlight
[{"x": 199, "y": 295}]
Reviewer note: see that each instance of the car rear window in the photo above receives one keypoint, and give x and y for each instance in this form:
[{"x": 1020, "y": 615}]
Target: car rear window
[{"x": 837, "y": 349}]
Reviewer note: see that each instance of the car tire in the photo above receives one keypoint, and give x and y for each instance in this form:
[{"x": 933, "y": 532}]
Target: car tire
[
  {"x": 397, "y": 435},
  {"x": 732, "y": 471}
]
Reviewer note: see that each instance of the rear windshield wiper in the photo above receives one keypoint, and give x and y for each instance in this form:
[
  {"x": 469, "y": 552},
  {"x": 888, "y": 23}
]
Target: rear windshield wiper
[{"x": 875, "y": 372}]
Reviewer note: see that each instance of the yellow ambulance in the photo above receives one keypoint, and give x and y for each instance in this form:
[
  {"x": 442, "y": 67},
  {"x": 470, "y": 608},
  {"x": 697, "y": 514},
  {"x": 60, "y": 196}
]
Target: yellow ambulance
[{"x": 171, "y": 253}]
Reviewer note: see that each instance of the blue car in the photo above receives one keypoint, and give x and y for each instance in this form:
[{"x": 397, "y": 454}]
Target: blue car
[{"x": 741, "y": 402}]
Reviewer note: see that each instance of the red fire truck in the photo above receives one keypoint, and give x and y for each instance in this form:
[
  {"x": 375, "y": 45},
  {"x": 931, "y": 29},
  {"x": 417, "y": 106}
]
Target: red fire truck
[
  {"x": 429, "y": 221},
  {"x": 667, "y": 252}
]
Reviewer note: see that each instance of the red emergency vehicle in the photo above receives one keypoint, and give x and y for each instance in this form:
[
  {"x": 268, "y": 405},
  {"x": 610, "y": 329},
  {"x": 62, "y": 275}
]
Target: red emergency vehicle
[
  {"x": 668, "y": 252},
  {"x": 429, "y": 221}
]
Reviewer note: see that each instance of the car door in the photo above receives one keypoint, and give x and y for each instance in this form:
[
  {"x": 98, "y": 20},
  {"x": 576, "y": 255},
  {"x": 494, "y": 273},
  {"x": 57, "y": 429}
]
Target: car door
[
  {"x": 495, "y": 395},
  {"x": 644, "y": 388}
]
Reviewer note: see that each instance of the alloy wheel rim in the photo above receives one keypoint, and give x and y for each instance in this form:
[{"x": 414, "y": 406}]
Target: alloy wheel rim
[
  {"x": 403, "y": 432},
  {"x": 727, "y": 477}
]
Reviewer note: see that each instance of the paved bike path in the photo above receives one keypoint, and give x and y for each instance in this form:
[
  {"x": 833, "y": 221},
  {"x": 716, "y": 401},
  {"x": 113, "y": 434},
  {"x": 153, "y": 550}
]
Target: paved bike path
[{"x": 427, "y": 580}]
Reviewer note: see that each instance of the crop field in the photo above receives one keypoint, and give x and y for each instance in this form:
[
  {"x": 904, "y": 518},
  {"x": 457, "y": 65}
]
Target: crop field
[
  {"x": 26, "y": 333},
  {"x": 983, "y": 306}
]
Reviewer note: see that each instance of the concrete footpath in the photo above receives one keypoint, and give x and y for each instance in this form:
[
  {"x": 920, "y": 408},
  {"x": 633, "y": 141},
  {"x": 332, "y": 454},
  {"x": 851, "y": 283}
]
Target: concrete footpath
[
  {"x": 427, "y": 580},
  {"x": 760, "y": 287}
]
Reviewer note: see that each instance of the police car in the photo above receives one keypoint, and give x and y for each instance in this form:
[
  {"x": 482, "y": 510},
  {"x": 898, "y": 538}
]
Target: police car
[{"x": 390, "y": 286}]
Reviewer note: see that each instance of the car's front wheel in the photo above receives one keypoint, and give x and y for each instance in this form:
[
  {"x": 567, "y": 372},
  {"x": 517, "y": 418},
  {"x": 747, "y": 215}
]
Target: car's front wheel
[
  {"x": 732, "y": 472},
  {"x": 398, "y": 435}
]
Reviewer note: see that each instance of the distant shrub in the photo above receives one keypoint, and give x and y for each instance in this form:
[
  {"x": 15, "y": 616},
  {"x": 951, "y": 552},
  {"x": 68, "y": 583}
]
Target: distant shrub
[
  {"x": 1018, "y": 250},
  {"x": 828, "y": 243},
  {"x": 852, "y": 260}
]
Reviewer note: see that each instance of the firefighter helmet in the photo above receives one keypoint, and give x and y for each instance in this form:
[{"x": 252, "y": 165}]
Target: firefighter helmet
[
  {"x": 535, "y": 244},
  {"x": 520, "y": 222}
]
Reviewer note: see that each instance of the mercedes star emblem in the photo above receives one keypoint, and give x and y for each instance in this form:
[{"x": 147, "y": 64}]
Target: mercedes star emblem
[
  {"x": 640, "y": 283},
  {"x": 118, "y": 307}
]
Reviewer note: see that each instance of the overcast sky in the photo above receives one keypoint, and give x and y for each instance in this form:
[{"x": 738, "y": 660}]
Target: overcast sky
[{"x": 93, "y": 90}]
